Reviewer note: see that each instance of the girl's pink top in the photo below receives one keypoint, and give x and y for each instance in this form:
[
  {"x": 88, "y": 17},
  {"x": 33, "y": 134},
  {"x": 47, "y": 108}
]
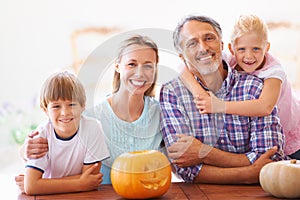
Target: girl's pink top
[{"x": 288, "y": 105}]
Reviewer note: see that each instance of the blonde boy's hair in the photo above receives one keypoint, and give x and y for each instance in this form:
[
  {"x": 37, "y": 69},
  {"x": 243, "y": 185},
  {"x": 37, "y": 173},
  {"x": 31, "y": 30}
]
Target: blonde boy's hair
[
  {"x": 63, "y": 86},
  {"x": 247, "y": 24}
]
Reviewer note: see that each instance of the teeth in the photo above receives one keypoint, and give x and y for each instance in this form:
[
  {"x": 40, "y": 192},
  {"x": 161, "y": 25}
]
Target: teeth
[
  {"x": 65, "y": 120},
  {"x": 205, "y": 58},
  {"x": 138, "y": 83}
]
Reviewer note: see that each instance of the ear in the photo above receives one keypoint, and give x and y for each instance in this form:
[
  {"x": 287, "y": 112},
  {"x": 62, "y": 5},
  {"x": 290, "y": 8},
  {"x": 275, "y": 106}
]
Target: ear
[
  {"x": 117, "y": 69},
  {"x": 182, "y": 57},
  {"x": 82, "y": 108},
  {"x": 268, "y": 46},
  {"x": 45, "y": 111},
  {"x": 222, "y": 43},
  {"x": 230, "y": 48}
]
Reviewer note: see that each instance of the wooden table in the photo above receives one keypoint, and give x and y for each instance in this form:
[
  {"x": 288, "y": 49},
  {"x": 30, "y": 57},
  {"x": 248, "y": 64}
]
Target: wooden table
[{"x": 176, "y": 191}]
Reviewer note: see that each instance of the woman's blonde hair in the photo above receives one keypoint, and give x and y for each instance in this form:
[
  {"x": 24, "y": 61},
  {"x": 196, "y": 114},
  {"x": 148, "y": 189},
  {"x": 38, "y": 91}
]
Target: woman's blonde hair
[
  {"x": 135, "y": 40},
  {"x": 247, "y": 24},
  {"x": 64, "y": 86}
]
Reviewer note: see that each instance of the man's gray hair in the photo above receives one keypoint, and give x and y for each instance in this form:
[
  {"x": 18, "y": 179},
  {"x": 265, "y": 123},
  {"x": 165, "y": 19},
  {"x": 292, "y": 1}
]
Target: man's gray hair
[{"x": 200, "y": 18}]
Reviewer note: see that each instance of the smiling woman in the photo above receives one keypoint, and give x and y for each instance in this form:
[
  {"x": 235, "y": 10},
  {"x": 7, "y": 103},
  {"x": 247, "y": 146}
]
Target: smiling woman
[{"x": 130, "y": 115}]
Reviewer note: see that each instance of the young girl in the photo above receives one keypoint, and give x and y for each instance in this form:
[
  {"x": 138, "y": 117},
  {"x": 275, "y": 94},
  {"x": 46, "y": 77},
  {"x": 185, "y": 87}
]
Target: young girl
[
  {"x": 249, "y": 48},
  {"x": 76, "y": 143}
]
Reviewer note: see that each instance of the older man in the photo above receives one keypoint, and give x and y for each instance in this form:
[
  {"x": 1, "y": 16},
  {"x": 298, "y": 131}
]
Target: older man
[{"x": 215, "y": 148}]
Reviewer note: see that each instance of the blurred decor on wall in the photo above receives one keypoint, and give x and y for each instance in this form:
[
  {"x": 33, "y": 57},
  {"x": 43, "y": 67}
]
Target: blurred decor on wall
[
  {"x": 85, "y": 40},
  {"x": 285, "y": 45}
]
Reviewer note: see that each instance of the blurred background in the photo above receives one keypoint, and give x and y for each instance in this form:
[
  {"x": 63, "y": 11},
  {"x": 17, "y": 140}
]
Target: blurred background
[{"x": 38, "y": 38}]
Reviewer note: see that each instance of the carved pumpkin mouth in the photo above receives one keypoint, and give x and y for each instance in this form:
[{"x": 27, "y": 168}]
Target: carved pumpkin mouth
[{"x": 155, "y": 182}]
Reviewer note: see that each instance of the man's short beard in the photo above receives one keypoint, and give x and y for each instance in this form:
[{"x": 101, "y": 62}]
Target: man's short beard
[{"x": 205, "y": 70}]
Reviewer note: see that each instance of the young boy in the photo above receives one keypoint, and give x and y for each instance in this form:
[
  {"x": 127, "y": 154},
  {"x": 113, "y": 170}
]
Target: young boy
[{"x": 76, "y": 143}]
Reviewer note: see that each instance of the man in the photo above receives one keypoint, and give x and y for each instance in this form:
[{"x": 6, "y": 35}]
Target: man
[{"x": 215, "y": 148}]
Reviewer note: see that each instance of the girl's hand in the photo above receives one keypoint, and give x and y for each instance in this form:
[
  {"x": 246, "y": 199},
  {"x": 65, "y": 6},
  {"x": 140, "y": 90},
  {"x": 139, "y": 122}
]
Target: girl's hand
[{"x": 209, "y": 104}]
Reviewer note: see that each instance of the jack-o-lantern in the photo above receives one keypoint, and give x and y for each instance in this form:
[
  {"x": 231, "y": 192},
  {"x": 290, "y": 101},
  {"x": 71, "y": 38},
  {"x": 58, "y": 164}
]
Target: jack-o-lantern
[
  {"x": 281, "y": 179},
  {"x": 141, "y": 174}
]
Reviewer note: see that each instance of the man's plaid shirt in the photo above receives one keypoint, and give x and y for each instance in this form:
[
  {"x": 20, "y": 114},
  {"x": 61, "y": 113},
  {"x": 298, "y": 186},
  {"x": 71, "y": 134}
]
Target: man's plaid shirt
[{"x": 251, "y": 136}]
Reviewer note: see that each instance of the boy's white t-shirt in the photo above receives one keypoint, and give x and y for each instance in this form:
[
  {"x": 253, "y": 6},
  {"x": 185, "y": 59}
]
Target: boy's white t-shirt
[{"x": 66, "y": 157}]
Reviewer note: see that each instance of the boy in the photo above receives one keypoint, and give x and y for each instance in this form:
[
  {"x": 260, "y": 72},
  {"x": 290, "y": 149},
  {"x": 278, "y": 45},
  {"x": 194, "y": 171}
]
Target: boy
[{"x": 76, "y": 143}]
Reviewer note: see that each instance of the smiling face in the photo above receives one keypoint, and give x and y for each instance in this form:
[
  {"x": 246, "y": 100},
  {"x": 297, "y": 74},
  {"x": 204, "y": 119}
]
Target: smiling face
[
  {"x": 63, "y": 100},
  {"x": 201, "y": 47},
  {"x": 137, "y": 68},
  {"x": 65, "y": 116},
  {"x": 249, "y": 51}
]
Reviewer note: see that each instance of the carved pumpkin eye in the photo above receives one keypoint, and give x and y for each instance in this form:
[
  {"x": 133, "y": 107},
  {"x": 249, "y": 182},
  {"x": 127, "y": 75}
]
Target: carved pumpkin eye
[
  {"x": 141, "y": 174},
  {"x": 281, "y": 179}
]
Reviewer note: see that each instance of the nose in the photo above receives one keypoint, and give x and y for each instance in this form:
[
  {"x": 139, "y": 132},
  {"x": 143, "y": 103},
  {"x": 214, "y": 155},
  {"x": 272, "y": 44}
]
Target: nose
[
  {"x": 202, "y": 46},
  {"x": 139, "y": 70},
  {"x": 248, "y": 54},
  {"x": 64, "y": 110}
]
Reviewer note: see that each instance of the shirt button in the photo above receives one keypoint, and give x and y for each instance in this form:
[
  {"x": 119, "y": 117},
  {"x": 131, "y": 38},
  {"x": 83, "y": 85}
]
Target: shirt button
[{"x": 222, "y": 141}]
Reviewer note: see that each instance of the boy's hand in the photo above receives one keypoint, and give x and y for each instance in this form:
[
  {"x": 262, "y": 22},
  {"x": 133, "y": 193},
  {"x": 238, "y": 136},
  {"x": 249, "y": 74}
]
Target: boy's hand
[
  {"x": 19, "y": 179},
  {"x": 188, "y": 151},
  {"x": 90, "y": 181}
]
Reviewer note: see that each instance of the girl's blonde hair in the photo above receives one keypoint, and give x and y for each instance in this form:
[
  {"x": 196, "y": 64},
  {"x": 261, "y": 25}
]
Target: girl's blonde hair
[
  {"x": 141, "y": 41},
  {"x": 247, "y": 24},
  {"x": 64, "y": 86}
]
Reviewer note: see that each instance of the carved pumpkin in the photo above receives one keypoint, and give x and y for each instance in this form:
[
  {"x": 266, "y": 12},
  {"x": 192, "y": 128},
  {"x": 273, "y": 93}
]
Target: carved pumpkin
[
  {"x": 281, "y": 179},
  {"x": 141, "y": 174}
]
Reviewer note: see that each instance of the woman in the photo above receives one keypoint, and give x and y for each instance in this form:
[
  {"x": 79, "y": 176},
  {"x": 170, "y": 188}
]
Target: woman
[{"x": 130, "y": 115}]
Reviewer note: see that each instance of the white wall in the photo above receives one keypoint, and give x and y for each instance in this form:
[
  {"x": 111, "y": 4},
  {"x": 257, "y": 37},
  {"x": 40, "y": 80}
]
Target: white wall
[{"x": 35, "y": 34}]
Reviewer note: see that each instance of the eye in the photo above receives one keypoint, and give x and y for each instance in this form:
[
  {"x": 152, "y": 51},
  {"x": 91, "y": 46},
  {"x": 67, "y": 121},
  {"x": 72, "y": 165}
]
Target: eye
[
  {"x": 242, "y": 49},
  {"x": 55, "y": 106},
  {"x": 148, "y": 66},
  {"x": 131, "y": 64},
  {"x": 72, "y": 104},
  {"x": 210, "y": 37},
  {"x": 191, "y": 44},
  {"x": 256, "y": 49}
]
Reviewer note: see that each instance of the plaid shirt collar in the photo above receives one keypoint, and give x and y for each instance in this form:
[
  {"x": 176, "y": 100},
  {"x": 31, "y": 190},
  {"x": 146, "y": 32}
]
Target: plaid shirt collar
[{"x": 226, "y": 82}]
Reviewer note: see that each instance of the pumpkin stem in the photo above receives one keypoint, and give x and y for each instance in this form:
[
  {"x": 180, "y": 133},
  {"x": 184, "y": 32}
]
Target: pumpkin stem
[{"x": 293, "y": 161}]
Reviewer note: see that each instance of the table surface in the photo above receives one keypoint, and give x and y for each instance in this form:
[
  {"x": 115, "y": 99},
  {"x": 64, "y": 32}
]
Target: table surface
[{"x": 176, "y": 191}]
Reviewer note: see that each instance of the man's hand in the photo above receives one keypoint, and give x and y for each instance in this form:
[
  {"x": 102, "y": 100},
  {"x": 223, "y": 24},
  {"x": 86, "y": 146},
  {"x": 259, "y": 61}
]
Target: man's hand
[
  {"x": 188, "y": 151},
  {"x": 35, "y": 147},
  {"x": 260, "y": 162}
]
